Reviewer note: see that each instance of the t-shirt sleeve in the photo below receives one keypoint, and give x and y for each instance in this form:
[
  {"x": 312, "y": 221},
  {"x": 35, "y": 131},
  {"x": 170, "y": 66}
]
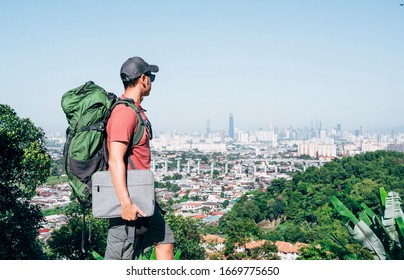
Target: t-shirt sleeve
[{"x": 121, "y": 124}]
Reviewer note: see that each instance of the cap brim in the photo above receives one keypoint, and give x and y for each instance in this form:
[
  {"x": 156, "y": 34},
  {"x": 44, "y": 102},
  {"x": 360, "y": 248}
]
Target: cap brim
[{"x": 153, "y": 68}]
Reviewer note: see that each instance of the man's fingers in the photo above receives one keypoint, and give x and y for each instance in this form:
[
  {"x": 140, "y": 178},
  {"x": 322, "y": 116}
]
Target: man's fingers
[
  {"x": 129, "y": 218},
  {"x": 139, "y": 211}
]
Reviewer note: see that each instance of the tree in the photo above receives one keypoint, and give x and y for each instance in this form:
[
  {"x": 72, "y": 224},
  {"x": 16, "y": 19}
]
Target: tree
[
  {"x": 246, "y": 208},
  {"x": 25, "y": 165},
  {"x": 57, "y": 167},
  {"x": 66, "y": 242},
  {"x": 187, "y": 233},
  {"x": 315, "y": 253},
  {"x": 265, "y": 252},
  {"x": 367, "y": 192},
  {"x": 277, "y": 186},
  {"x": 276, "y": 206},
  {"x": 238, "y": 231}
]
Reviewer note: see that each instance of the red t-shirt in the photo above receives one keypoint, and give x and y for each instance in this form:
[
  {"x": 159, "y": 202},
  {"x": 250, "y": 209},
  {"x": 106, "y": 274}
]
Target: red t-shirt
[{"x": 121, "y": 126}]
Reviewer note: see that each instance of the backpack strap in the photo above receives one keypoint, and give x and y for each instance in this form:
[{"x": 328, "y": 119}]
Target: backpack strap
[{"x": 140, "y": 128}]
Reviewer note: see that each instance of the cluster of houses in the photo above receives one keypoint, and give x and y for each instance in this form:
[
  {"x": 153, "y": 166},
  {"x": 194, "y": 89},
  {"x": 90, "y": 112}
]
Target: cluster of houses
[
  {"x": 285, "y": 250},
  {"x": 204, "y": 198},
  {"x": 203, "y": 195},
  {"x": 51, "y": 197},
  {"x": 51, "y": 223}
]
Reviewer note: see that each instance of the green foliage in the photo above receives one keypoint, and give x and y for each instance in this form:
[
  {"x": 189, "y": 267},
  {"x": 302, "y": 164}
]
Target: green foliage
[
  {"x": 237, "y": 256},
  {"x": 54, "y": 211},
  {"x": 24, "y": 160},
  {"x": 175, "y": 176},
  {"x": 25, "y": 165},
  {"x": 187, "y": 232},
  {"x": 97, "y": 256},
  {"x": 344, "y": 212},
  {"x": 57, "y": 167},
  {"x": 277, "y": 186},
  {"x": 225, "y": 203},
  {"x": 315, "y": 253},
  {"x": 300, "y": 209},
  {"x": 19, "y": 225},
  {"x": 152, "y": 255},
  {"x": 66, "y": 242},
  {"x": 380, "y": 236},
  {"x": 240, "y": 230},
  {"x": 55, "y": 180},
  {"x": 268, "y": 251},
  {"x": 170, "y": 186},
  {"x": 177, "y": 255},
  {"x": 366, "y": 191},
  {"x": 210, "y": 229}
]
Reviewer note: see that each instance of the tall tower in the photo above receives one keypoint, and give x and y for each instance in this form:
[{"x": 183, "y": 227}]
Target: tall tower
[
  {"x": 231, "y": 126},
  {"x": 207, "y": 127}
]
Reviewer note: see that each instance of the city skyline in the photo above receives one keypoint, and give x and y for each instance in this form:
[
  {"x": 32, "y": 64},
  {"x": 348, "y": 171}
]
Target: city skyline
[
  {"x": 313, "y": 125},
  {"x": 267, "y": 62}
]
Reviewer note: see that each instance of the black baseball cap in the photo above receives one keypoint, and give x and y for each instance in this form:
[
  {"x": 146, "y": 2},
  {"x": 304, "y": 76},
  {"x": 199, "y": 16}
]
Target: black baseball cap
[{"x": 134, "y": 67}]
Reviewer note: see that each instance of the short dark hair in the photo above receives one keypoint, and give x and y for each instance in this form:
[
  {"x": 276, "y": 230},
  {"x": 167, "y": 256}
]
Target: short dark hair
[{"x": 130, "y": 83}]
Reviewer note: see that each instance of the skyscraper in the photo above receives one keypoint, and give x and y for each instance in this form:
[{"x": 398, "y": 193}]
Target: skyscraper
[
  {"x": 207, "y": 127},
  {"x": 231, "y": 126}
]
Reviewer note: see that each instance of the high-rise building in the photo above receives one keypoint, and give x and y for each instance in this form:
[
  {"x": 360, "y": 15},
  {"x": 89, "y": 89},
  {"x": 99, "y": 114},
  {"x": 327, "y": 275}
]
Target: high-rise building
[
  {"x": 231, "y": 126},
  {"x": 207, "y": 127}
]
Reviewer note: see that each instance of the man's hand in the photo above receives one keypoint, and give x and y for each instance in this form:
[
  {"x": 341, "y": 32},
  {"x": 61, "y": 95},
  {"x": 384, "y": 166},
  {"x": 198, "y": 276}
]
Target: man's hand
[{"x": 129, "y": 211}]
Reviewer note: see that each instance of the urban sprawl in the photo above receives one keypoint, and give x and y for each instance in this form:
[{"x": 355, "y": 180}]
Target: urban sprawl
[{"x": 211, "y": 170}]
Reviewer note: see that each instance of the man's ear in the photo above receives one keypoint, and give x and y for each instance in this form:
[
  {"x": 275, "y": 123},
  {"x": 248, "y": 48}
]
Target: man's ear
[{"x": 143, "y": 79}]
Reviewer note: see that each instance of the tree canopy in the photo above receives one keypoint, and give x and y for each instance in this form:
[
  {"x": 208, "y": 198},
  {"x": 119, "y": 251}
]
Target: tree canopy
[{"x": 25, "y": 165}]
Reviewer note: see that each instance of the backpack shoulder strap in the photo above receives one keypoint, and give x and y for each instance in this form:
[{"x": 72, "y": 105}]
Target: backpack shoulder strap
[{"x": 140, "y": 128}]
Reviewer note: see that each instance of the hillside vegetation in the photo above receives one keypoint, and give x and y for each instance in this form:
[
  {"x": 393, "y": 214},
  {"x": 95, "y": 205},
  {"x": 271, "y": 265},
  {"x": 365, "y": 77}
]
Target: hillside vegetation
[{"x": 300, "y": 210}]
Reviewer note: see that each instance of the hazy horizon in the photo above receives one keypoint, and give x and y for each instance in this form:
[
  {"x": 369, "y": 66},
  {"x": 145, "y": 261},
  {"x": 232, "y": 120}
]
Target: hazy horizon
[{"x": 284, "y": 63}]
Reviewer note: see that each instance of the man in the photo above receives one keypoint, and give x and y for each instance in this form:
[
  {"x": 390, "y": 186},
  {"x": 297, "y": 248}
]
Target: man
[{"x": 137, "y": 78}]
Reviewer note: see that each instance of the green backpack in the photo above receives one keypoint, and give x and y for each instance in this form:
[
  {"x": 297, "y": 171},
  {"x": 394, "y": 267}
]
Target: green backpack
[{"x": 87, "y": 110}]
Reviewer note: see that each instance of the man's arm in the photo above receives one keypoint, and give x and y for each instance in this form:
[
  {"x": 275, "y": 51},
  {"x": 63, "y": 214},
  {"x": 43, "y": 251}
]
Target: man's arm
[{"x": 117, "y": 168}]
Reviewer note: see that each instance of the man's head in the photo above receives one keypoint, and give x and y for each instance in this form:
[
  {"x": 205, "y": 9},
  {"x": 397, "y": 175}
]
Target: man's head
[{"x": 135, "y": 68}]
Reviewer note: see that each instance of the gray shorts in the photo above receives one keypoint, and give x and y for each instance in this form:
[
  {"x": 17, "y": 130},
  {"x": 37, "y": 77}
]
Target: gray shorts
[{"x": 149, "y": 231}]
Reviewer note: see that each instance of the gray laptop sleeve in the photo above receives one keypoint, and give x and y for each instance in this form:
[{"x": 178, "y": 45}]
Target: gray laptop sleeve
[{"x": 105, "y": 202}]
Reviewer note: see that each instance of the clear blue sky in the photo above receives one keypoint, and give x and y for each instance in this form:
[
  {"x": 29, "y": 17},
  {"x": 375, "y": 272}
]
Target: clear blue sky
[{"x": 267, "y": 62}]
